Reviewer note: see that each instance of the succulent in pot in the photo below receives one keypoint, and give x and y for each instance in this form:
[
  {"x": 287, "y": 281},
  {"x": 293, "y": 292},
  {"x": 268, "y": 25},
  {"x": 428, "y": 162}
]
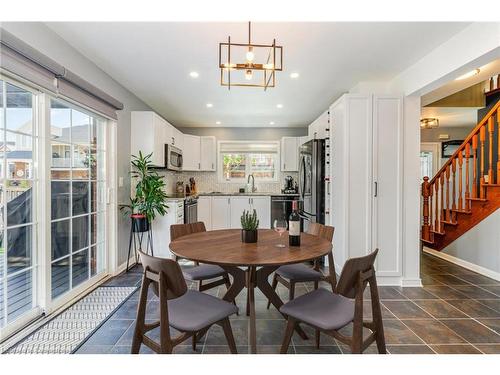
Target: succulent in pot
[{"x": 249, "y": 226}]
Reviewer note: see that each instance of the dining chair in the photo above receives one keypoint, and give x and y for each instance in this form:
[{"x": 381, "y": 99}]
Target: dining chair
[
  {"x": 200, "y": 272},
  {"x": 329, "y": 312},
  {"x": 291, "y": 274},
  {"x": 187, "y": 311}
]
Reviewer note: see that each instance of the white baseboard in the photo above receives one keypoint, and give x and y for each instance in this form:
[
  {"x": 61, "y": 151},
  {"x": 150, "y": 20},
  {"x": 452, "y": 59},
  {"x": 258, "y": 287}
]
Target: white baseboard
[
  {"x": 411, "y": 283},
  {"x": 123, "y": 266},
  {"x": 463, "y": 263}
]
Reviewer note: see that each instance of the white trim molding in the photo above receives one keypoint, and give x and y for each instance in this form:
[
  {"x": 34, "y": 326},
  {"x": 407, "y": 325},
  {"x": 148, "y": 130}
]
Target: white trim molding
[{"x": 463, "y": 263}]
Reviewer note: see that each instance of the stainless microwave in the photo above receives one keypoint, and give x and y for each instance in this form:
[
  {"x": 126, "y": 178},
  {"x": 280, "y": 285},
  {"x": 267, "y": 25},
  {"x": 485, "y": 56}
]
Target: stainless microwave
[{"x": 173, "y": 158}]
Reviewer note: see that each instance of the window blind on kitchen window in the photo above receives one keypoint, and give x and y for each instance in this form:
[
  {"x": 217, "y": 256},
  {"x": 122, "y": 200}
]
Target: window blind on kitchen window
[
  {"x": 248, "y": 147},
  {"x": 19, "y": 58}
]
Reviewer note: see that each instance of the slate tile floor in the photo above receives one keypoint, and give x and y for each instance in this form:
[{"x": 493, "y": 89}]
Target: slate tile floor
[{"x": 456, "y": 311}]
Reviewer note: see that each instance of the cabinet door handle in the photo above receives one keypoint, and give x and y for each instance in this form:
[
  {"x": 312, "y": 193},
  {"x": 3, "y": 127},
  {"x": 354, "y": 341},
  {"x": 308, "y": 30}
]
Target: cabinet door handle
[
  {"x": 173, "y": 141},
  {"x": 212, "y": 165},
  {"x": 284, "y": 166},
  {"x": 199, "y": 165},
  {"x": 376, "y": 189},
  {"x": 228, "y": 200}
]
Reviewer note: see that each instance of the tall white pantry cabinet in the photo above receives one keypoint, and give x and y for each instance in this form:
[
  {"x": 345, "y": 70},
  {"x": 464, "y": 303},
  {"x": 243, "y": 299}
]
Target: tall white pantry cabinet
[{"x": 367, "y": 180}]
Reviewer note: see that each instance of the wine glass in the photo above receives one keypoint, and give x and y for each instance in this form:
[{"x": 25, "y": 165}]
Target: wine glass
[{"x": 280, "y": 226}]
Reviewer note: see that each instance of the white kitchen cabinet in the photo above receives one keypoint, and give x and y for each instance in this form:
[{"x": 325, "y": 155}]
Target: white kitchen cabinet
[
  {"x": 366, "y": 161},
  {"x": 221, "y": 213},
  {"x": 191, "y": 153},
  {"x": 177, "y": 138},
  {"x": 289, "y": 154},
  {"x": 318, "y": 128},
  {"x": 208, "y": 152},
  {"x": 238, "y": 205},
  {"x": 148, "y": 134},
  {"x": 205, "y": 211},
  {"x": 263, "y": 207},
  {"x": 161, "y": 227}
]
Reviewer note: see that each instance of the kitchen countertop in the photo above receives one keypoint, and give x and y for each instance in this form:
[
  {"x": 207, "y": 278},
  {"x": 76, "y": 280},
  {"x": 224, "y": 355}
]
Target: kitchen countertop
[{"x": 257, "y": 193}]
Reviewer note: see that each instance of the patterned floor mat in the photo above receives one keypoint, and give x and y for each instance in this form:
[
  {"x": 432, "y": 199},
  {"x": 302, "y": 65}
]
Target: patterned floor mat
[{"x": 65, "y": 333}]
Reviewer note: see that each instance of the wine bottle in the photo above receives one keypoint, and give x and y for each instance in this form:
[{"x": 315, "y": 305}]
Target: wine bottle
[{"x": 294, "y": 226}]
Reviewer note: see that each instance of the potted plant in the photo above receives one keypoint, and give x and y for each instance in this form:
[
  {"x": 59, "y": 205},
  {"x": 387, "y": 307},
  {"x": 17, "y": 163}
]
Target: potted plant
[
  {"x": 249, "y": 225},
  {"x": 149, "y": 199}
]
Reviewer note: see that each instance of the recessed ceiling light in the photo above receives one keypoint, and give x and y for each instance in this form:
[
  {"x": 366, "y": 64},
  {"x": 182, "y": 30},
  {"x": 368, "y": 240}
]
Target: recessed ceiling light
[
  {"x": 294, "y": 75},
  {"x": 217, "y": 122},
  {"x": 468, "y": 74},
  {"x": 209, "y": 105},
  {"x": 194, "y": 75},
  {"x": 279, "y": 106},
  {"x": 271, "y": 123}
]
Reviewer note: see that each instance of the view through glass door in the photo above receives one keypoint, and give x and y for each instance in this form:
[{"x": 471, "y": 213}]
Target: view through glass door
[
  {"x": 78, "y": 207},
  {"x": 18, "y": 245}
]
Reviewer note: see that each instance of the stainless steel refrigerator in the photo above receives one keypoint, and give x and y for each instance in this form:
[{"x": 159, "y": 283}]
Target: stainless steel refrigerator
[{"x": 312, "y": 181}]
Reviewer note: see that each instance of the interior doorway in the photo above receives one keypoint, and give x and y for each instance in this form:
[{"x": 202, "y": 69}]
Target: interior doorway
[{"x": 430, "y": 159}]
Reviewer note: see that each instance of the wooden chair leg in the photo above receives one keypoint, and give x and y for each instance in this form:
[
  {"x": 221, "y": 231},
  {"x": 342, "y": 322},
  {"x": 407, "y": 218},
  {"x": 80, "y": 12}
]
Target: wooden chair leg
[
  {"x": 227, "y": 282},
  {"x": 318, "y": 333},
  {"x": 291, "y": 291},
  {"x": 316, "y": 285},
  {"x": 141, "y": 316},
  {"x": 193, "y": 342},
  {"x": 274, "y": 286},
  {"x": 377, "y": 317},
  {"x": 290, "y": 327},
  {"x": 228, "y": 332}
]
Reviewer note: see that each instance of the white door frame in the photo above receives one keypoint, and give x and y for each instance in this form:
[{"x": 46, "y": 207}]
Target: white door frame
[{"x": 435, "y": 148}]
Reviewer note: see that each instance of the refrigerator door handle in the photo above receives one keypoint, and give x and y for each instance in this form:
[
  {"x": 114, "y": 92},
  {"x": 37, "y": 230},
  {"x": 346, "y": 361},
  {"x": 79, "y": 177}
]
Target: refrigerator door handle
[{"x": 303, "y": 176}]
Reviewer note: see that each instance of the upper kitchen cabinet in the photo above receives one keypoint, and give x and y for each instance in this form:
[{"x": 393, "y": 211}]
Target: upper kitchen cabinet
[
  {"x": 191, "y": 153},
  {"x": 148, "y": 135},
  {"x": 176, "y": 138},
  {"x": 208, "y": 152},
  {"x": 318, "y": 128},
  {"x": 289, "y": 154}
]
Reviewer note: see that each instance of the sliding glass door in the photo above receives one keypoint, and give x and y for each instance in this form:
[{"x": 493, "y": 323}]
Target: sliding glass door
[
  {"x": 51, "y": 249},
  {"x": 18, "y": 219},
  {"x": 78, "y": 207}
]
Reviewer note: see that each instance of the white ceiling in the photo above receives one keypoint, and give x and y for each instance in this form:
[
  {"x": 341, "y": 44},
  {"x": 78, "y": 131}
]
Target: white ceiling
[
  {"x": 153, "y": 60},
  {"x": 452, "y": 116}
]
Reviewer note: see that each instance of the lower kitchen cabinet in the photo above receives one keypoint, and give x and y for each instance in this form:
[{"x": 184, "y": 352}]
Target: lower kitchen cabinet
[
  {"x": 224, "y": 212},
  {"x": 205, "y": 211},
  {"x": 220, "y": 212}
]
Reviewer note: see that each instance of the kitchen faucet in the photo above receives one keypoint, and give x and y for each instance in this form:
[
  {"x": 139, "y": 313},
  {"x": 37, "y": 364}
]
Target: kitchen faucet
[{"x": 253, "y": 182}]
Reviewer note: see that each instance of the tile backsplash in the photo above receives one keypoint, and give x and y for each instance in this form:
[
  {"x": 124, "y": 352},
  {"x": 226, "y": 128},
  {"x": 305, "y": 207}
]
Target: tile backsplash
[{"x": 207, "y": 182}]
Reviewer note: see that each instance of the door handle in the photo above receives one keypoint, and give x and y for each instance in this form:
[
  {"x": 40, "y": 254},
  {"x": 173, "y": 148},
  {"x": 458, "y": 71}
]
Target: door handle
[{"x": 376, "y": 188}]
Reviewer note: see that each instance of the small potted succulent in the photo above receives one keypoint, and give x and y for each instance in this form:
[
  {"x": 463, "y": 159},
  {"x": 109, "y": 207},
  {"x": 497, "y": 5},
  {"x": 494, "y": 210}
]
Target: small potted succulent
[{"x": 249, "y": 225}]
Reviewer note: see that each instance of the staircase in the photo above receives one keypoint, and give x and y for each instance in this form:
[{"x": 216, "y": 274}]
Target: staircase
[{"x": 466, "y": 189}]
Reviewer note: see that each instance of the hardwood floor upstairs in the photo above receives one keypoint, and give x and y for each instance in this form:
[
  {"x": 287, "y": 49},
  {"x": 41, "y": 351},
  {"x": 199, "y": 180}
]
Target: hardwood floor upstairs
[{"x": 466, "y": 189}]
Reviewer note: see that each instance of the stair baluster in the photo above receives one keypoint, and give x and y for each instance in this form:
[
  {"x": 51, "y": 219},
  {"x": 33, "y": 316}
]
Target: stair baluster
[
  {"x": 474, "y": 164},
  {"x": 460, "y": 164},
  {"x": 482, "y": 139},
  {"x": 426, "y": 235},
  {"x": 467, "y": 187},
  {"x": 448, "y": 211},
  {"x": 490, "y": 153},
  {"x": 498, "y": 145},
  {"x": 442, "y": 210},
  {"x": 436, "y": 215},
  {"x": 453, "y": 192}
]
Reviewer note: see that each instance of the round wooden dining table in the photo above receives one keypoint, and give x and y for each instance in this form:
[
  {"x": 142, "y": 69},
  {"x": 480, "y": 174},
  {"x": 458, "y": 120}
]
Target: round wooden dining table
[{"x": 250, "y": 264}]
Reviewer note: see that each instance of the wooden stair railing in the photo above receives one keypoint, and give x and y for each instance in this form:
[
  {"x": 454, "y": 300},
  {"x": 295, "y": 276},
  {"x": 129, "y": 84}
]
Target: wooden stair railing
[{"x": 465, "y": 178}]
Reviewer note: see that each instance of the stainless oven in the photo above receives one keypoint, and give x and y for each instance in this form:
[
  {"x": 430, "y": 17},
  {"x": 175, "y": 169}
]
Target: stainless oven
[
  {"x": 190, "y": 210},
  {"x": 173, "y": 158}
]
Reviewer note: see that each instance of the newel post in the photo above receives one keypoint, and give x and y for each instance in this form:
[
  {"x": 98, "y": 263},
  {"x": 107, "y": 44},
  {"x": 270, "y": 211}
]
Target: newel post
[{"x": 426, "y": 234}]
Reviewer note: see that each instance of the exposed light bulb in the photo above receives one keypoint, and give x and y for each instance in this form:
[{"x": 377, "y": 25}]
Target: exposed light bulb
[
  {"x": 250, "y": 55},
  {"x": 248, "y": 75}
]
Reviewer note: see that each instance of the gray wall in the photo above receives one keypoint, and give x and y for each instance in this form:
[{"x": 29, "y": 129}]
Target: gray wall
[
  {"x": 250, "y": 134},
  {"x": 48, "y": 42},
  {"x": 480, "y": 245}
]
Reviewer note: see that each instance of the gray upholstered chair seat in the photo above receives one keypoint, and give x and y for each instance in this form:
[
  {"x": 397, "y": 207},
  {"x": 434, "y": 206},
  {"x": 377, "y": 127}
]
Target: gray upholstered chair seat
[
  {"x": 321, "y": 309},
  {"x": 195, "y": 310},
  {"x": 299, "y": 272},
  {"x": 203, "y": 272}
]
